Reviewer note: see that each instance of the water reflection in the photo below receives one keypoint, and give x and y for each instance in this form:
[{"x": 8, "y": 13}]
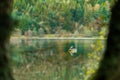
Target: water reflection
[{"x": 50, "y": 58}]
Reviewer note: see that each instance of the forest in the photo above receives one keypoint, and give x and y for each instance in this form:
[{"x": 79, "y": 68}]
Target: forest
[
  {"x": 59, "y": 40},
  {"x": 61, "y": 18}
]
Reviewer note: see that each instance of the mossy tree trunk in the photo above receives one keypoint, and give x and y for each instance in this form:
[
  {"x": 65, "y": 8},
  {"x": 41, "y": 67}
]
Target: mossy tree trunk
[
  {"x": 110, "y": 65},
  {"x": 5, "y": 30}
]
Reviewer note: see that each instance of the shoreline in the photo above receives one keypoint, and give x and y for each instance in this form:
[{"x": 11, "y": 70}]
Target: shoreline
[{"x": 55, "y": 38}]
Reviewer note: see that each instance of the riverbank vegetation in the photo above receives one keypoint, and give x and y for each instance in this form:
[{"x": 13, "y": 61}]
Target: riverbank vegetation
[
  {"x": 36, "y": 58},
  {"x": 61, "y": 18}
]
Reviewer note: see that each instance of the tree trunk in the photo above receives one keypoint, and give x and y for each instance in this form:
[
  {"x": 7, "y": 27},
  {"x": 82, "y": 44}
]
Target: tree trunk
[
  {"x": 5, "y": 30},
  {"x": 110, "y": 66}
]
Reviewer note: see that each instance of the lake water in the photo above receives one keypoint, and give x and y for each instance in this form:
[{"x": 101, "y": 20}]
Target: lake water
[{"x": 36, "y": 59}]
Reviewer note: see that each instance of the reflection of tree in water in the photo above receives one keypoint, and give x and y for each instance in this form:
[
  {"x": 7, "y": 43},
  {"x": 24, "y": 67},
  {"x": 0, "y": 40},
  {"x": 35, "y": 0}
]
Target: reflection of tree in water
[
  {"x": 54, "y": 53},
  {"x": 51, "y": 51},
  {"x": 35, "y": 50}
]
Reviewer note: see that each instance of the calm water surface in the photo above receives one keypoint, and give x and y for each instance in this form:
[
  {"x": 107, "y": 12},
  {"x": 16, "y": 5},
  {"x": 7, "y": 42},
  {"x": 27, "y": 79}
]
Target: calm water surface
[{"x": 51, "y": 59}]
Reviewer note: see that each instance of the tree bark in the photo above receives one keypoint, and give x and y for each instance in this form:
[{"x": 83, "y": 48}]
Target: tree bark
[
  {"x": 110, "y": 66},
  {"x": 5, "y": 30}
]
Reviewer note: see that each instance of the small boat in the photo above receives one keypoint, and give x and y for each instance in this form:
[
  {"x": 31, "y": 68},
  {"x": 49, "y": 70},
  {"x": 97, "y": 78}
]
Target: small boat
[{"x": 72, "y": 50}]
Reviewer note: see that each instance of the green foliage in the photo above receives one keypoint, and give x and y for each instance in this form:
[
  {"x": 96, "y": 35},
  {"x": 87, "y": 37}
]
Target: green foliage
[
  {"x": 94, "y": 58},
  {"x": 59, "y": 13}
]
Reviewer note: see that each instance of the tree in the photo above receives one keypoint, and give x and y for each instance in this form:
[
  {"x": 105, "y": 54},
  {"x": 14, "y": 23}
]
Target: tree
[
  {"x": 109, "y": 68},
  {"x": 5, "y": 30}
]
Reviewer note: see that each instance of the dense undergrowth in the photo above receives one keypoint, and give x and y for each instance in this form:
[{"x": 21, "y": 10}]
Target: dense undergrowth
[{"x": 39, "y": 17}]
